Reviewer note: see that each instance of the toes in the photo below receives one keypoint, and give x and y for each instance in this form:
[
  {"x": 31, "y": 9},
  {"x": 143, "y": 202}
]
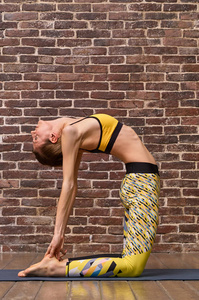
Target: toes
[{"x": 21, "y": 274}]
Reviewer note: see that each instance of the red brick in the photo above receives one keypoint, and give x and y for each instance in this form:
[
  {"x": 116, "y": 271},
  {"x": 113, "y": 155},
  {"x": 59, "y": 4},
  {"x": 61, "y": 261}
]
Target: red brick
[
  {"x": 109, "y": 42},
  {"x": 93, "y": 193},
  {"x": 105, "y": 221},
  {"x": 56, "y": 86},
  {"x": 40, "y": 77},
  {"x": 9, "y": 7},
  {"x": 127, "y": 104},
  {"x": 89, "y": 51},
  {"x": 163, "y": 68},
  {"x": 190, "y": 68},
  {"x": 107, "y": 95},
  {"x": 189, "y": 228},
  {"x": 106, "y": 239},
  {"x": 8, "y": 59},
  {"x": 20, "y": 16},
  {"x": 178, "y": 95},
  {"x": 190, "y": 157},
  {"x": 191, "y": 192},
  {"x": 89, "y": 230},
  {"x": 7, "y": 221},
  {"x": 107, "y": 60},
  {"x": 127, "y": 16},
  {"x": 178, "y": 165},
  {"x": 145, "y": 7},
  {"x": 179, "y": 60},
  {"x": 108, "y": 7},
  {"x": 77, "y": 221},
  {"x": 36, "y": 24},
  {"x": 184, "y": 77},
  {"x": 72, "y": 60},
  {"x": 91, "y": 16},
  {"x": 75, "y": 112},
  {"x": 10, "y": 77},
  {"x": 75, "y": 7},
  {"x": 38, "y": 95},
  {"x": 91, "y": 69},
  {"x": 54, "y": 51},
  {"x": 91, "y": 86},
  {"x": 144, "y": 112},
  {"x": 182, "y": 112},
  {"x": 21, "y": 33},
  {"x": 147, "y": 77},
  {"x": 189, "y": 16},
  {"x": 180, "y": 42},
  {"x": 143, "y": 95},
  {"x": 55, "y": 104},
  {"x": 70, "y": 24},
  {"x": 162, "y": 86},
  {"x": 127, "y": 86},
  {"x": 92, "y": 248},
  {"x": 38, "y": 42},
  {"x": 77, "y": 239},
  {"x": 39, "y": 202},
  {"x": 93, "y": 34},
  {"x": 143, "y": 59},
  {"x": 180, "y": 7},
  {"x": 162, "y": 229},
  {"x": 6, "y": 230},
  {"x": 180, "y": 130},
  {"x": 108, "y": 202},
  {"x": 20, "y": 68},
  {"x": 38, "y": 7},
  {"x": 56, "y": 16},
  {"x": 75, "y": 77},
  {"x": 47, "y": 230},
  {"x": 177, "y": 219},
  {"x": 185, "y": 147},
  {"x": 125, "y": 50},
  {"x": 180, "y": 238},
  {"x": 92, "y": 212},
  {"x": 20, "y": 85},
  {"x": 141, "y": 24},
  {"x": 17, "y": 211},
  {"x": 106, "y": 25},
  {"x": 129, "y": 34},
  {"x": 90, "y": 103},
  {"x": 191, "y": 33}
]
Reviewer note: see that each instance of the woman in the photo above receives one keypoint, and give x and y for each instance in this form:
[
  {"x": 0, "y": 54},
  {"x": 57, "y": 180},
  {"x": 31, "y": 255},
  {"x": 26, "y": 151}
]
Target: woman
[{"x": 61, "y": 143}]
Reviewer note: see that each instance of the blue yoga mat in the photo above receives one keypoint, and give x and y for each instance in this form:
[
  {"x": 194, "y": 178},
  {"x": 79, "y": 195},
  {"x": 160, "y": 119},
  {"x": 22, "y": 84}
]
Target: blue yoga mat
[{"x": 147, "y": 275}]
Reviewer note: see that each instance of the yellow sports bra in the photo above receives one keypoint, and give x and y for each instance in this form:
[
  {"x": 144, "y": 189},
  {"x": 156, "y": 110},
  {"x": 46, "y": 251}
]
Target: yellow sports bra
[{"x": 110, "y": 128}]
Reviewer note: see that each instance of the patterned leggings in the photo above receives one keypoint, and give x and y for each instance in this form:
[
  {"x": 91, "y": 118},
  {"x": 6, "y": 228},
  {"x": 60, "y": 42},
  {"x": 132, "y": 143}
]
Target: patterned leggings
[{"x": 139, "y": 195}]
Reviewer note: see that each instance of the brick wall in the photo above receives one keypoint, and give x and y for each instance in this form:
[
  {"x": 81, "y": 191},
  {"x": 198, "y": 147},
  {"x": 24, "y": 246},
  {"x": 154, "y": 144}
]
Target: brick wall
[{"x": 135, "y": 60}]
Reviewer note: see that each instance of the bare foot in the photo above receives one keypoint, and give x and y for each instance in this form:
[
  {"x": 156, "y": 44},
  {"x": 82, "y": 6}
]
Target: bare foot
[{"x": 47, "y": 267}]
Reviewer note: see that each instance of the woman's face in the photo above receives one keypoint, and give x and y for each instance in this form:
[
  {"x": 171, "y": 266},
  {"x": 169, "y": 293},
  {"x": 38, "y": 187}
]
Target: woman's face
[{"x": 41, "y": 133}]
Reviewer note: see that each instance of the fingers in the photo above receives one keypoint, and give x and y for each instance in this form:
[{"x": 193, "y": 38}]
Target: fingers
[
  {"x": 63, "y": 253},
  {"x": 48, "y": 250},
  {"x": 52, "y": 252}
]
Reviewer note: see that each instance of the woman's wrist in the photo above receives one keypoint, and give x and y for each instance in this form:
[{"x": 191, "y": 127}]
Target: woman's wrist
[{"x": 58, "y": 233}]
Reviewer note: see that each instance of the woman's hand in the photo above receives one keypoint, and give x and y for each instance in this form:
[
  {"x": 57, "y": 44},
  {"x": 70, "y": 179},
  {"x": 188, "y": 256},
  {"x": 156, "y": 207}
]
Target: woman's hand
[{"x": 56, "y": 247}]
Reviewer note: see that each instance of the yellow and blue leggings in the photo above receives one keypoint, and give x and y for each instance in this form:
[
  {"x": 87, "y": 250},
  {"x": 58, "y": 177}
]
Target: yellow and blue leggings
[{"x": 139, "y": 194}]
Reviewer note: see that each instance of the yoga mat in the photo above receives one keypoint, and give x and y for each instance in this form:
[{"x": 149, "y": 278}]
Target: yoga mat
[{"x": 147, "y": 275}]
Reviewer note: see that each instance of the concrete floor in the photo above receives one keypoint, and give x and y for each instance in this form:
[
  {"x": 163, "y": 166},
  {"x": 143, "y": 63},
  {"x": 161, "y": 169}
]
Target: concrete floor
[{"x": 102, "y": 290}]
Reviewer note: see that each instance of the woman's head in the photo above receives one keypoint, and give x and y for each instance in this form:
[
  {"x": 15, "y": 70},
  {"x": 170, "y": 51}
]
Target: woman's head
[
  {"x": 47, "y": 143},
  {"x": 49, "y": 153}
]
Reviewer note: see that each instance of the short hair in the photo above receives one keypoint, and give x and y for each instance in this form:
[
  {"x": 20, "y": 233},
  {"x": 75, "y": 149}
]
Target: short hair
[{"x": 50, "y": 154}]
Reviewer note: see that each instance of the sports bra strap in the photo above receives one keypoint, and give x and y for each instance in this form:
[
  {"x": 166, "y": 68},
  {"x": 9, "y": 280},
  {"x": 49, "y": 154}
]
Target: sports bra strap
[{"x": 79, "y": 120}]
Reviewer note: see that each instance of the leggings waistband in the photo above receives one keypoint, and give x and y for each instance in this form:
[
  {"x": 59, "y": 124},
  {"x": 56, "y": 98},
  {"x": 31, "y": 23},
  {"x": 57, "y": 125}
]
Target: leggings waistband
[{"x": 141, "y": 167}]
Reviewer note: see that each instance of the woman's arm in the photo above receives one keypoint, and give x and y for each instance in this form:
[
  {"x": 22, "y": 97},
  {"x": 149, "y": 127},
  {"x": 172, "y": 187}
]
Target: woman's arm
[{"x": 71, "y": 160}]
